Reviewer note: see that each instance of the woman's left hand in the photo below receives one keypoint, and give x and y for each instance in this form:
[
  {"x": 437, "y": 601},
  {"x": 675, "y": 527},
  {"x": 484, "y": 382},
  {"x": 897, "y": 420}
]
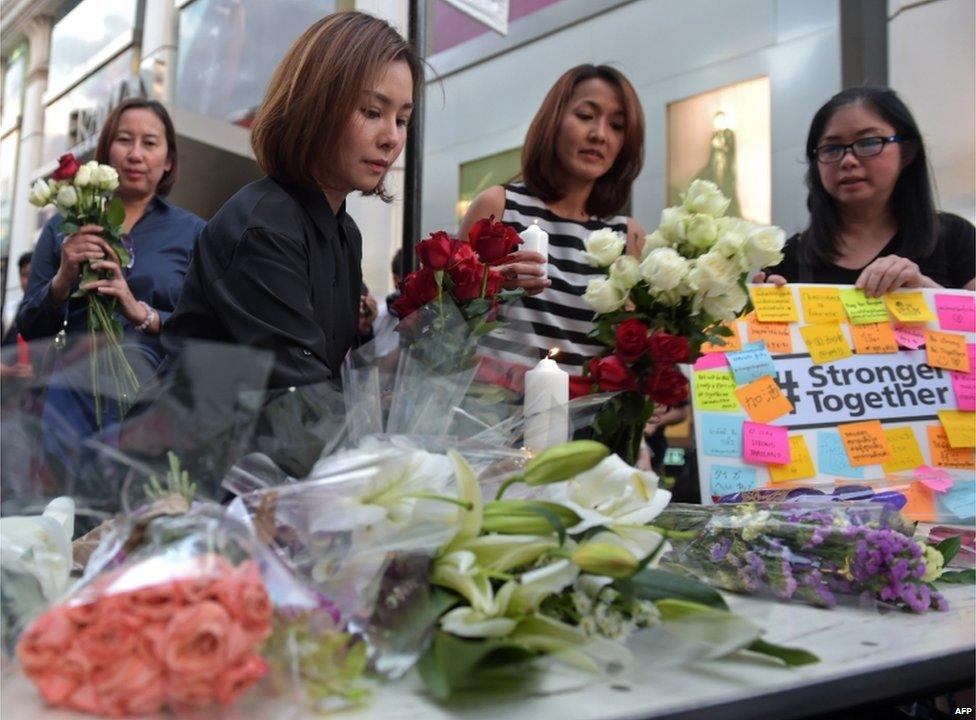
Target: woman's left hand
[
  {"x": 890, "y": 273},
  {"x": 116, "y": 286}
]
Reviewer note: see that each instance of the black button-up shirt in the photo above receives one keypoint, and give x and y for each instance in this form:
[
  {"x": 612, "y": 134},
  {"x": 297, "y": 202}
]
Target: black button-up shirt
[{"x": 275, "y": 269}]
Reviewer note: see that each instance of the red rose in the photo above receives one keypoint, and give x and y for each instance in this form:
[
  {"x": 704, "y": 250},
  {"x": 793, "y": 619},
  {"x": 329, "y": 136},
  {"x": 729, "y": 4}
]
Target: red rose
[
  {"x": 467, "y": 276},
  {"x": 419, "y": 288},
  {"x": 666, "y": 385},
  {"x": 667, "y": 348},
  {"x": 436, "y": 251},
  {"x": 67, "y": 167},
  {"x": 463, "y": 253},
  {"x": 493, "y": 240},
  {"x": 495, "y": 283},
  {"x": 611, "y": 374},
  {"x": 632, "y": 343}
]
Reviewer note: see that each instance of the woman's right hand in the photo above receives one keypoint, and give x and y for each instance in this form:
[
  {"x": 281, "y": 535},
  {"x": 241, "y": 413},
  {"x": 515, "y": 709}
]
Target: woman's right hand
[
  {"x": 76, "y": 250},
  {"x": 777, "y": 280}
]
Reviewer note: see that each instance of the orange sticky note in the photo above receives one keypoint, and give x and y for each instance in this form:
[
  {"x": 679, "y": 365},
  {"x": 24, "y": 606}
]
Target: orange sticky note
[
  {"x": 800, "y": 466},
  {"x": 732, "y": 342},
  {"x": 908, "y": 307},
  {"x": 822, "y": 305},
  {"x": 777, "y": 336},
  {"x": 960, "y": 427},
  {"x": 905, "y": 452},
  {"x": 825, "y": 342},
  {"x": 865, "y": 442},
  {"x": 944, "y": 455},
  {"x": 774, "y": 304},
  {"x": 947, "y": 350},
  {"x": 920, "y": 505},
  {"x": 763, "y": 400},
  {"x": 874, "y": 338}
]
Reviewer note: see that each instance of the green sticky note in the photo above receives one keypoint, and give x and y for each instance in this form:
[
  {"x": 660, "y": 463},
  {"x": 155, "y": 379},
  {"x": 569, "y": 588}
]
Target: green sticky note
[
  {"x": 861, "y": 309},
  {"x": 715, "y": 390}
]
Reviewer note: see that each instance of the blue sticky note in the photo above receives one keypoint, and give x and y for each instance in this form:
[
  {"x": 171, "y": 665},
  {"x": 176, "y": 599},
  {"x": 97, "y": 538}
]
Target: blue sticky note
[
  {"x": 751, "y": 363},
  {"x": 832, "y": 458},
  {"x": 754, "y": 345},
  {"x": 726, "y": 479},
  {"x": 960, "y": 499},
  {"x": 721, "y": 435}
]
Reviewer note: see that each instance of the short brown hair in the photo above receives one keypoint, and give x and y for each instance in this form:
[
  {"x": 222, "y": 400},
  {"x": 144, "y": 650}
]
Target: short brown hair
[
  {"x": 315, "y": 90},
  {"x": 540, "y": 165},
  {"x": 111, "y": 127}
]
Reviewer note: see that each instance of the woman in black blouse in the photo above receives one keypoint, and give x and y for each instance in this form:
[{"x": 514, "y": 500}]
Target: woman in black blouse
[
  {"x": 279, "y": 266},
  {"x": 873, "y": 222}
]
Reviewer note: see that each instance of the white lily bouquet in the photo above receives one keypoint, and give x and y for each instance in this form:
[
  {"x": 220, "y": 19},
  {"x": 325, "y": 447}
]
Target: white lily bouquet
[{"x": 82, "y": 194}]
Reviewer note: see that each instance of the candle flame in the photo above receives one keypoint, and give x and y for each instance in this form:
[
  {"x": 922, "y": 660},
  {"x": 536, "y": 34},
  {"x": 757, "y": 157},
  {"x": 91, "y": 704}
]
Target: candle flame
[{"x": 553, "y": 353}]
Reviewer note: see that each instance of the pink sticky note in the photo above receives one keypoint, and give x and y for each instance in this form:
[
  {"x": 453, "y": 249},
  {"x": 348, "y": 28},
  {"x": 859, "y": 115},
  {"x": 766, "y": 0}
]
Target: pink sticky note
[
  {"x": 956, "y": 312},
  {"x": 766, "y": 444},
  {"x": 964, "y": 384},
  {"x": 710, "y": 361},
  {"x": 934, "y": 478},
  {"x": 909, "y": 336}
]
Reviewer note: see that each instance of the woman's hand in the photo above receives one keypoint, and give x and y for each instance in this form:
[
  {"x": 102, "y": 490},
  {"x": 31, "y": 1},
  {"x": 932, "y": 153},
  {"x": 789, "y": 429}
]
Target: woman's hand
[
  {"x": 76, "y": 250},
  {"x": 116, "y": 286},
  {"x": 777, "y": 280},
  {"x": 890, "y": 273},
  {"x": 526, "y": 270}
]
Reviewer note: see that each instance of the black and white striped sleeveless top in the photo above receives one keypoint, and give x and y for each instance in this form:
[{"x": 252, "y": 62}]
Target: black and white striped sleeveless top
[{"x": 557, "y": 317}]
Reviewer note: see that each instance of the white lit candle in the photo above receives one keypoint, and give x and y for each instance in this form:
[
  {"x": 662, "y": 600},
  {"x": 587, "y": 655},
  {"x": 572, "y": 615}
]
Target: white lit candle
[
  {"x": 535, "y": 239},
  {"x": 546, "y": 406}
]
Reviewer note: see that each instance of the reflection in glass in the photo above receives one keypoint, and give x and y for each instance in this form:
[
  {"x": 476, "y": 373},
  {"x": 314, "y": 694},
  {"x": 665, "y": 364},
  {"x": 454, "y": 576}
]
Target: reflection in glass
[
  {"x": 81, "y": 34},
  {"x": 8, "y": 168},
  {"x": 13, "y": 86}
]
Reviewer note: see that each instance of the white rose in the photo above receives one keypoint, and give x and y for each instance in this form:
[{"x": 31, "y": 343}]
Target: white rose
[
  {"x": 625, "y": 272},
  {"x": 725, "y": 306},
  {"x": 703, "y": 196},
  {"x": 604, "y": 246},
  {"x": 664, "y": 269},
  {"x": 604, "y": 296},
  {"x": 82, "y": 178},
  {"x": 713, "y": 274},
  {"x": 701, "y": 231},
  {"x": 673, "y": 222},
  {"x": 764, "y": 247},
  {"x": 67, "y": 196},
  {"x": 106, "y": 177},
  {"x": 40, "y": 194},
  {"x": 653, "y": 241}
]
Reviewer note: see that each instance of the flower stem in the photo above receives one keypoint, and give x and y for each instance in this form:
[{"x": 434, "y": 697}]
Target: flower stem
[
  {"x": 443, "y": 498},
  {"x": 505, "y": 485}
]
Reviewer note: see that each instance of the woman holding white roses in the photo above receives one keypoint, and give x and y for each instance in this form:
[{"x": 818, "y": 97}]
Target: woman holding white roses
[{"x": 582, "y": 153}]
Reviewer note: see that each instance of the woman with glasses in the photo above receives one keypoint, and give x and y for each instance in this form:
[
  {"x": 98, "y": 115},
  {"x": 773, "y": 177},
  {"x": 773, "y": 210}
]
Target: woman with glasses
[{"x": 873, "y": 222}]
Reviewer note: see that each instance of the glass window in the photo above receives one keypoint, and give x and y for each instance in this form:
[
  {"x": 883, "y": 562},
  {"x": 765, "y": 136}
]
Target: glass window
[
  {"x": 13, "y": 87},
  {"x": 482, "y": 173},
  {"x": 453, "y": 27},
  {"x": 8, "y": 171},
  {"x": 229, "y": 48},
  {"x": 78, "y": 37}
]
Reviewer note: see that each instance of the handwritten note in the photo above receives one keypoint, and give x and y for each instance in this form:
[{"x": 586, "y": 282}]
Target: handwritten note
[
  {"x": 874, "y": 338},
  {"x": 721, "y": 435},
  {"x": 911, "y": 337},
  {"x": 800, "y": 466},
  {"x": 905, "y": 452},
  {"x": 725, "y": 344},
  {"x": 822, "y": 305},
  {"x": 935, "y": 479},
  {"x": 776, "y": 336},
  {"x": 832, "y": 457},
  {"x": 908, "y": 307},
  {"x": 964, "y": 384},
  {"x": 861, "y": 309},
  {"x": 947, "y": 350},
  {"x": 715, "y": 390},
  {"x": 774, "y": 304},
  {"x": 944, "y": 455},
  {"x": 751, "y": 363},
  {"x": 763, "y": 400},
  {"x": 960, "y": 428},
  {"x": 956, "y": 312},
  {"x": 961, "y": 500},
  {"x": 765, "y": 444},
  {"x": 825, "y": 342},
  {"x": 865, "y": 443},
  {"x": 726, "y": 480}
]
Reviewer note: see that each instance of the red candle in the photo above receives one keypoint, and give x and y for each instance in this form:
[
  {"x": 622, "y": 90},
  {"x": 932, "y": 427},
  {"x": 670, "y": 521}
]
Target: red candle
[{"x": 23, "y": 351}]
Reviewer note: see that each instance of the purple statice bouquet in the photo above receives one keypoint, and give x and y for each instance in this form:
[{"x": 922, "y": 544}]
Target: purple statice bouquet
[{"x": 813, "y": 553}]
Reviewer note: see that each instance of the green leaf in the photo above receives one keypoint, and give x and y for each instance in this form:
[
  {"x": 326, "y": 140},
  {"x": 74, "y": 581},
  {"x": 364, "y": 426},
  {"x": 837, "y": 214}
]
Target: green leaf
[
  {"x": 68, "y": 228},
  {"x": 451, "y": 663},
  {"x": 654, "y": 584},
  {"x": 794, "y": 657},
  {"x": 115, "y": 212},
  {"x": 961, "y": 577},
  {"x": 949, "y": 547}
]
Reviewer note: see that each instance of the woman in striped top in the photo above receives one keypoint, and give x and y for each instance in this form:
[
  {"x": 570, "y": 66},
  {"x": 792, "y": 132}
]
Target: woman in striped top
[{"x": 582, "y": 152}]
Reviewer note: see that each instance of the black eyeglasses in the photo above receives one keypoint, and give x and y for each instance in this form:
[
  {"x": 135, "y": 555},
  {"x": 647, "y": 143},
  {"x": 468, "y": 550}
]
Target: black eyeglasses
[{"x": 865, "y": 147}]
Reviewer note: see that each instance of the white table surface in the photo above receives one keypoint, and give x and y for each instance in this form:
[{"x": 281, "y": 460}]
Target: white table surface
[{"x": 865, "y": 656}]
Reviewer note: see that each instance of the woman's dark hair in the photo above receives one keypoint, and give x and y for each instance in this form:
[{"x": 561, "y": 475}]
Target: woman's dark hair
[
  {"x": 111, "y": 127},
  {"x": 911, "y": 200},
  {"x": 540, "y": 163}
]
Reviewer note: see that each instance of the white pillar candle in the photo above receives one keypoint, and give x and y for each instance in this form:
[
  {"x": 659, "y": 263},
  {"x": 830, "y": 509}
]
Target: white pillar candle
[
  {"x": 546, "y": 406},
  {"x": 535, "y": 239}
]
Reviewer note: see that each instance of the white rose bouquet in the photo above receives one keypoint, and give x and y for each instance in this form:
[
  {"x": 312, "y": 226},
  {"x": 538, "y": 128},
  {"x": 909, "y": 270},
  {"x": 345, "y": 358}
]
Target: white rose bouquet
[{"x": 659, "y": 311}]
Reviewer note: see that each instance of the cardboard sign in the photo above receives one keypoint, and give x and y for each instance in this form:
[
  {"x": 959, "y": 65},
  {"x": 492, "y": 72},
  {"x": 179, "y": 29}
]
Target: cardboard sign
[
  {"x": 825, "y": 343},
  {"x": 763, "y": 400},
  {"x": 861, "y": 309},
  {"x": 865, "y": 442},
  {"x": 821, "y": 304}
]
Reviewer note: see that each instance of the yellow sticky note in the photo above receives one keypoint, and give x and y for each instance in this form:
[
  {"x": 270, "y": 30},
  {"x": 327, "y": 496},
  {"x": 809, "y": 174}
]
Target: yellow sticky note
[
  {"x": 874, "y": 338},
  {"x": 763, "y": 400},
  {"x": 733, "y": 342},
  {"x": 905, "y": 452},
  {"x": 774, "y": 304},
  {"x": 777, "y": 336},
  {"x": 825, "y": 342},
  {"x": 909, "y": 307},
  {"x": 822, "y": 305},
  {"x": 947, "y": 350},
  {"x": 800, "y": 466},
  {"x": 944, "y": 455},
  {"x": 865, "y": 442},
  {"x": 861, "y": 309},
  {"x": 715, "y": 390},
  {"x": 960, "y": 427}
]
